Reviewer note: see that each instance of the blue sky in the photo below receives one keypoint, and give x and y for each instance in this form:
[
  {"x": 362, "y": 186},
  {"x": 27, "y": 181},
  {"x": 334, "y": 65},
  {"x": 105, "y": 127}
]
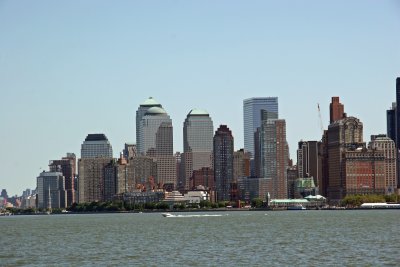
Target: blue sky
[{"x": 72, "y": 68}]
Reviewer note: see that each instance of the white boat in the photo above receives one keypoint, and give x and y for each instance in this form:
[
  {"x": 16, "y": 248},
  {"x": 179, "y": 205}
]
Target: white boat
[
  {"x": 168, "y": 215},
  {"x": 296, "y": 207}
]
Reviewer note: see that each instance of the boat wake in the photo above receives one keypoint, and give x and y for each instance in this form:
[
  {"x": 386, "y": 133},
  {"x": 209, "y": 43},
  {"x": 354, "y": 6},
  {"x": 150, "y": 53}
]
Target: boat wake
[{"x": 169, "y": 215}]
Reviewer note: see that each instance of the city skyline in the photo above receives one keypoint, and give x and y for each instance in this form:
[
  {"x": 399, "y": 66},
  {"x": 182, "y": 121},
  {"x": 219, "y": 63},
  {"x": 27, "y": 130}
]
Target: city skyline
[{"x": 62, "y": 80}]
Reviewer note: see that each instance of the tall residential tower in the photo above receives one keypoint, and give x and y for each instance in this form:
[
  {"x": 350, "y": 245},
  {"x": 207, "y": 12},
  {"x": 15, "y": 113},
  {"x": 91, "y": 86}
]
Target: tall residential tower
[{"x": 223, "y": 163}]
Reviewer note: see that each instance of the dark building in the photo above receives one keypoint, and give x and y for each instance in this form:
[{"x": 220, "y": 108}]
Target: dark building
[
  {"x": 223, "y": 163},
  {"x": 336, "y": 109},
  {"x": 309, "y": 163},
  {"x": 391, "y": 122},
  {"x": 67, "y": 166},
  {"x": 292, "y": 175},
  {"x": 397, "y": 141}
]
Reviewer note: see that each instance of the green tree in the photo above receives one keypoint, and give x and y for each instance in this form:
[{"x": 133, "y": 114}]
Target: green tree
[{"x": 256, "y": 202}]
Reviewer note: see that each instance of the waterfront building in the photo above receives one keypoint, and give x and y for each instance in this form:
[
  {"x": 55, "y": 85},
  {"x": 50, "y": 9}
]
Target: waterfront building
[
  {"x": 118, "y": 178},
  {"x": 197, "y": 143},
  {"x": 304, "y": 187},
  {"x": 96, "y": 153},
  {"x": 363, "y": 171},
  {"x": 250, "y": 188},
  {"x": 51, "y": 191},
  {"x": 145, "y": 173},
  {"x": 274, "y": 153},
  {"x": 67, "y": 166},
  {"x": 95, "y": 146},
  {"x": 203, "y": 177},
  {"x": 292, "y": 175},
  {"x": 223, "y": 163},
  {"x": 336, "y": 109},
  {"x": 386, "y": 145},
  {"x": 342, "y": 135},
  {"x": 139, "y": 197},
  {"x": 91, "y": 178},
  {"x": 241, "y": 164},
  {"x": 252, "y": 118},
  {"x": 309, "y": 161},
  {"x": 196, "y": 196}
]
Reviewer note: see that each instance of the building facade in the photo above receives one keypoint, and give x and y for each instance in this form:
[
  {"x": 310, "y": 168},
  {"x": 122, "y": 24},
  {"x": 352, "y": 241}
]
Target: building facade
[
  {"x": 386, "y": 145},
  {"x": 309, "y": 160},
  {"x": 156, "y": 140},
  {"x": 51, "y": 191},
  {"x": 391, "y": 122},
  {"x": 223, "y": 163},
  {"x": 336, "y": 110},
  {"x": 91, "y": 178},
  {"x": 345, "y": 134},
  {"x": 364, "y": 172},
  {"x": 197, "y": 143},
  {"x": 96, "y": 146},
  {"x": 202, "y": 177},
  {"x": 142, "y": 110},
  {"x": 252, "y": 118},
  {"x": 250, "y": 188},
  {"x": 241, "y": 164},
  {"x": 274, "y": 158},
  {"x": 67, "y": 166}
]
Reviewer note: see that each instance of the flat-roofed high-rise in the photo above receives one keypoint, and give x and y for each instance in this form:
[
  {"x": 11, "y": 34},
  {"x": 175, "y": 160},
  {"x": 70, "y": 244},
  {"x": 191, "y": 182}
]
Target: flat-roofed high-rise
[
  {"x": 197, "y": 143},
  {"x": 223, "y": 163},
  {"x": 252, "y": 117}
]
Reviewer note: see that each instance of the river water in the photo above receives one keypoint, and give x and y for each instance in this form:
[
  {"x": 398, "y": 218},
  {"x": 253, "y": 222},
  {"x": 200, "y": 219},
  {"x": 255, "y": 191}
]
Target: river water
[{"x": 245, "y": 238}]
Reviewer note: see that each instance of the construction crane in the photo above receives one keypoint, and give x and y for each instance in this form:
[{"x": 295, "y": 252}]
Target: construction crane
[{"x": 320, "y": 120}]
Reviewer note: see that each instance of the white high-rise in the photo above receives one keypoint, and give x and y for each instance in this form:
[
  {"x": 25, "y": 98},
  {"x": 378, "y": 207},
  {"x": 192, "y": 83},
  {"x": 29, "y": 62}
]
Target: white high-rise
[
  {"x": 156, "y": 140},
  {"x": 142, "y": 110}
]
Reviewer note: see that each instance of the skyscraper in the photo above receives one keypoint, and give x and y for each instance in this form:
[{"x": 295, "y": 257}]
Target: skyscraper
[
  {"x": 223, "y": 163},
  {"x": 142, "y": 110},
  {"x": 96, "y": 153},
  {"x": 274, "y": 158},
  {"x": 336, "y": 109},
  {"x": 197, "y": 143},
  {"x": 51, "y": 190},
  {"x": 155, "y": 129},
  {"x": 309, "y": 162},
  {"x": 96, "y": 146},
  {"x": 252, "y": 118},
  {"x": 241, "y": 164},
  {"x": 67, "y": 165},
  {"x": 342, "y": 135},
  {"x": 397, "y": 141},
  {"x": 156, "y": 140},
  {"x": 391, "y": 122}
]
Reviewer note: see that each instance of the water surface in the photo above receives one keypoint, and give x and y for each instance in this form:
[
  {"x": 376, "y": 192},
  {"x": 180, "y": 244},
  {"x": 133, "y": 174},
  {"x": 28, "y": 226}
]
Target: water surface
[{"x": 279, "y": 238}]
